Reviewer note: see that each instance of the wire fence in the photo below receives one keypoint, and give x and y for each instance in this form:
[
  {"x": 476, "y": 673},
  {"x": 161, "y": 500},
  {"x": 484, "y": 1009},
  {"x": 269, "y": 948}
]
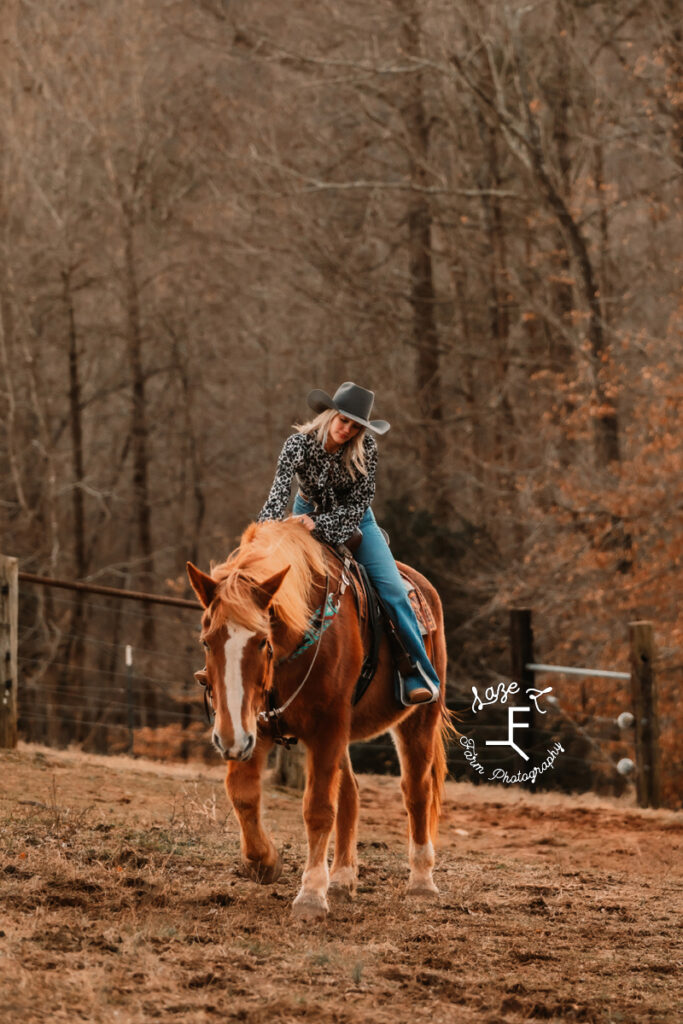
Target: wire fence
[{"x": 77, "y": 686}]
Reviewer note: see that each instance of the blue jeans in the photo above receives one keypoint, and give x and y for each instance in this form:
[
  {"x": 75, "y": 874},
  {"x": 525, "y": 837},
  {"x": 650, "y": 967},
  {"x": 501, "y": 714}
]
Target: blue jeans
[{"x": 375, "y": 555}]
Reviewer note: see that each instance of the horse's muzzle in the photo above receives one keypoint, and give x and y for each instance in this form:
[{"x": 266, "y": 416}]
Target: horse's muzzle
[
  {"x": 248, "y": 748},
  {"x": 235, "y": 753}
]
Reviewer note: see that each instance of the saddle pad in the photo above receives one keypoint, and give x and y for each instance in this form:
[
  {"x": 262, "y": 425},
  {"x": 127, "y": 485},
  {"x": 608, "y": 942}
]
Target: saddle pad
[{"x": 423, "y": 612}]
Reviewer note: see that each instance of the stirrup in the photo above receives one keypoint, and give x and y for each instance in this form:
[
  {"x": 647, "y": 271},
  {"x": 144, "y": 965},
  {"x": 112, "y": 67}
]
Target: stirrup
[{"x": 429, "y": 685}]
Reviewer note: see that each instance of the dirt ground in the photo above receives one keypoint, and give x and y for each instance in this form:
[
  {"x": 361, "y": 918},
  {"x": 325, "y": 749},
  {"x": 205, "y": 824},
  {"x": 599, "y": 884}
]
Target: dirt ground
[{"x": 122, "y": 900}]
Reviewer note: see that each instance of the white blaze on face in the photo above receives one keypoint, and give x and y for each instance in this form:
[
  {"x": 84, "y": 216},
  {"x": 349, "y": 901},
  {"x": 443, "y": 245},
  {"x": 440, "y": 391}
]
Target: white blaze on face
[{"x": 234, "y": 687}]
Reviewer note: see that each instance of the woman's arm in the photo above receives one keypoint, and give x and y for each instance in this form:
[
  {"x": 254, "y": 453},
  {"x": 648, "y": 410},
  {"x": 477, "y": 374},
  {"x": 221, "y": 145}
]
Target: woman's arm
[
  {"x": 287, "y": 465},
  {"x": 336, "y": 527}
]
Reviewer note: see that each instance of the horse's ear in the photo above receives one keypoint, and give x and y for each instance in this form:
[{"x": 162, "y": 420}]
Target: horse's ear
[
  {"x": 204, "y": 586},
  {"x": 265, "y": 592},
  {"x": 248, "y": 534}
]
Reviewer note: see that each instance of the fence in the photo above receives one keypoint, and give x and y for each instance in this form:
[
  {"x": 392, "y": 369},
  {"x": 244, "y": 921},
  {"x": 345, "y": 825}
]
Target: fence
[
  {"x": 9, "y": 625},
  {"x": 95, "y": 688},
  {"x": 643, "y": 693},
  {"x": 121, "y": 698},
  {"x": 524, "y": 669}
]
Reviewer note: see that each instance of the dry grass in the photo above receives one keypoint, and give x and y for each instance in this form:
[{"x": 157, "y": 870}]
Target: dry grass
[{"x": 122, "y": 900}]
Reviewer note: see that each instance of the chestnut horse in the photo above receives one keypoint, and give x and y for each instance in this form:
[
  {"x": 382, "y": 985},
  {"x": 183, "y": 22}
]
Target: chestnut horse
[{"x": 257, "y": 607}]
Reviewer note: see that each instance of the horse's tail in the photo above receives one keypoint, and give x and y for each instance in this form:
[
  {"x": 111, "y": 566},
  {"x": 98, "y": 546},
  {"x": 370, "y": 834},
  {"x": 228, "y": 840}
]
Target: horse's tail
[
  {"x": 439, "y": 770},
  {"x": 447, "y": 729}
]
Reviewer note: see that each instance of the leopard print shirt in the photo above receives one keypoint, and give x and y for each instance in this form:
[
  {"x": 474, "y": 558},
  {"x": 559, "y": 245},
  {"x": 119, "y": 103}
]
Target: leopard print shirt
[{"x": 340, "y": 501}]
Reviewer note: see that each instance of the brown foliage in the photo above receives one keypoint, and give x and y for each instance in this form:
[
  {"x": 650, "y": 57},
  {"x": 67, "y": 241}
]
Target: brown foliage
[{"x": 206, "y": 209}]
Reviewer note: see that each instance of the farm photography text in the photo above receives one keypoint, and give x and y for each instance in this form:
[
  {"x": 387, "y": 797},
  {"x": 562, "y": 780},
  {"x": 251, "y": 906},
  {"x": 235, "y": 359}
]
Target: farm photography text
[{"x": 500, "y": 694}]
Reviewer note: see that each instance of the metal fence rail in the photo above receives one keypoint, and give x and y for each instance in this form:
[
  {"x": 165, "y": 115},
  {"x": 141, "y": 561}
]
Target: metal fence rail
[
  {"x": 94, "y": 588},
  {"x": 643, "y": 692},
  {"x": 567, "y": 671}
]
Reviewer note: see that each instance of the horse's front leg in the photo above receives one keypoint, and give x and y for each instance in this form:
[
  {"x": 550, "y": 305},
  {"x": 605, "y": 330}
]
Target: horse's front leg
[
  {"x": 320, "y": 800},
  {"x": 243, "y": 783},
  {"x": 344, "y": 877}
]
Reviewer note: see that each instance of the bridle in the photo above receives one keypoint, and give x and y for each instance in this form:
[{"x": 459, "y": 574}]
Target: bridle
[
  {"x": 201, "y": 680},
  {"x": 272, "y": 717}
]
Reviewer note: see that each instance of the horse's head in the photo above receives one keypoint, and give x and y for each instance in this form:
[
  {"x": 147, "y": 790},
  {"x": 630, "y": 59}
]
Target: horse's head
[{"x": 239, "y": 654}]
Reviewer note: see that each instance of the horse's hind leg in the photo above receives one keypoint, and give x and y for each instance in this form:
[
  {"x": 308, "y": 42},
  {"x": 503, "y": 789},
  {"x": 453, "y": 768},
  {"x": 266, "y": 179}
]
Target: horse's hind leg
[
  {"x": 416, "y": 738},
  {"x": 243, "y": 783},
  {"x": 345, "y": 865}
]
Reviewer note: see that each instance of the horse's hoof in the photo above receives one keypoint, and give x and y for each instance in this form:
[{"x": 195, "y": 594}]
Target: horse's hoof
[
  {"x": 422, "y": 887},
  {"x": 308, "y": 906},
  {"x": 341, "y": 893},
  {"x": 264, "y": 874},
  {"x": 343, "y": 884}
]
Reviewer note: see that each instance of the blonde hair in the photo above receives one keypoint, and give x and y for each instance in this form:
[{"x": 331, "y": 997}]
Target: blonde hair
[{"x": 354, "y": 452}]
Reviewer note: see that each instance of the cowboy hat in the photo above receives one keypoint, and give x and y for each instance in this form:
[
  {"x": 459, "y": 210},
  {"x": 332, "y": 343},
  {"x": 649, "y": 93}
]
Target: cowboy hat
[{"x": 351, "y": 401}]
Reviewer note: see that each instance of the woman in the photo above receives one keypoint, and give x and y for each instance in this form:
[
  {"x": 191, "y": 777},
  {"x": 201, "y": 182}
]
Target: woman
[{"x": 334, "y": 457}]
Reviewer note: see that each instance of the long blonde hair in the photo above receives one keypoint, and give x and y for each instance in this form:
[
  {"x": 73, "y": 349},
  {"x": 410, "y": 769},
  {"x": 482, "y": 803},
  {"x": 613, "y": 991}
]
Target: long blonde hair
[{"x": 354, "y": 452}]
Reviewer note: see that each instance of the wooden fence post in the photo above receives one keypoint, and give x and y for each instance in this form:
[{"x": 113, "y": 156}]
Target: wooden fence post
[
  {"x": 290, "y": 767},
  {"x": 521, "y": 646},
  {"x": 521, "y": 655},
  {"x": 9, "y": 627},
  {"x": 646, "y": 725}
]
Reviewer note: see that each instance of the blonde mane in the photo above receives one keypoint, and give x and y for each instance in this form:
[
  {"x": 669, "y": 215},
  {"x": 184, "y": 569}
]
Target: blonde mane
[{"x": 265, "y": 549}]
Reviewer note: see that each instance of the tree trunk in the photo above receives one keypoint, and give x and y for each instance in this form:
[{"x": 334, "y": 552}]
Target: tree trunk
[
  {"x": 606, "y": 428},
  {"x": 560, "y": 346},
  {"x": 422, "y": 295},
  {"x": 193, "y": 452},
  {"x": 76, "y": 424},
  {"x": 140, "y": 441},
  {"x": 7, "y": 363},
  {"x": 503, "y": 423},
  {"x": 72, "y": 679},
  {"x": 606, "y": 439}
]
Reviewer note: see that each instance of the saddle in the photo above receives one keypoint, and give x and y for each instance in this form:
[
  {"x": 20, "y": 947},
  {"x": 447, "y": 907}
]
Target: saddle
[
  {"x": 375, "y": 616},
  {"x": 376, "y": 619}
]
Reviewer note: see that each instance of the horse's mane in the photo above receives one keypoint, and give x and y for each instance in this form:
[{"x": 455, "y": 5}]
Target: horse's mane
[{"x": 265, "y": 549}]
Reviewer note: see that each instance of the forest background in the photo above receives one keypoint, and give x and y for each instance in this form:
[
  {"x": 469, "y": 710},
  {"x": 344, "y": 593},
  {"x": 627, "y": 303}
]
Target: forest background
[{"x": 208, "y": 208}]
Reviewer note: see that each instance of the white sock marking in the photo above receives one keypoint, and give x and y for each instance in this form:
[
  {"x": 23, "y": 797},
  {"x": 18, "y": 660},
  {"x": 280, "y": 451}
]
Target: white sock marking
[{"x": 421, "y": 860}]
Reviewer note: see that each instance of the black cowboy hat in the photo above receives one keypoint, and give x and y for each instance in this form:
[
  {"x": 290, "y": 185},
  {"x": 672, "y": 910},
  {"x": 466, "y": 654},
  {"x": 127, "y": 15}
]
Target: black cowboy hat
[{"x": 351, "y": 401}]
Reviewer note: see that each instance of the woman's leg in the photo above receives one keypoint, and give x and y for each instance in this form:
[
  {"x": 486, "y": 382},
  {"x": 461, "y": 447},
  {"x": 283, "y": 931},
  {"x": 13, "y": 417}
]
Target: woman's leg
[
  {"x": 375, "y": 555},
  {"x": 302, "y": 508}
]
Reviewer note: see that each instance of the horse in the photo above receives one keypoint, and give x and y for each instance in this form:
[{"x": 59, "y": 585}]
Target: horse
[{"x": 257, "y": 606}]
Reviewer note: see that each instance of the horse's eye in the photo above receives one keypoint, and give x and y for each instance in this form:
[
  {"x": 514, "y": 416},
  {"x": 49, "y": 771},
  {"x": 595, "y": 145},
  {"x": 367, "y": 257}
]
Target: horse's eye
[
  {"x": 262, "y": 646},
  {"x": 205, "y": 644}
]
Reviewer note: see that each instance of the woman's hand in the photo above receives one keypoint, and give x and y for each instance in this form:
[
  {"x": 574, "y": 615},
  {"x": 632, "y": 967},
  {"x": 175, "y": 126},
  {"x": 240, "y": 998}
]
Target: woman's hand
[{"x": 306, "y": 520}]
